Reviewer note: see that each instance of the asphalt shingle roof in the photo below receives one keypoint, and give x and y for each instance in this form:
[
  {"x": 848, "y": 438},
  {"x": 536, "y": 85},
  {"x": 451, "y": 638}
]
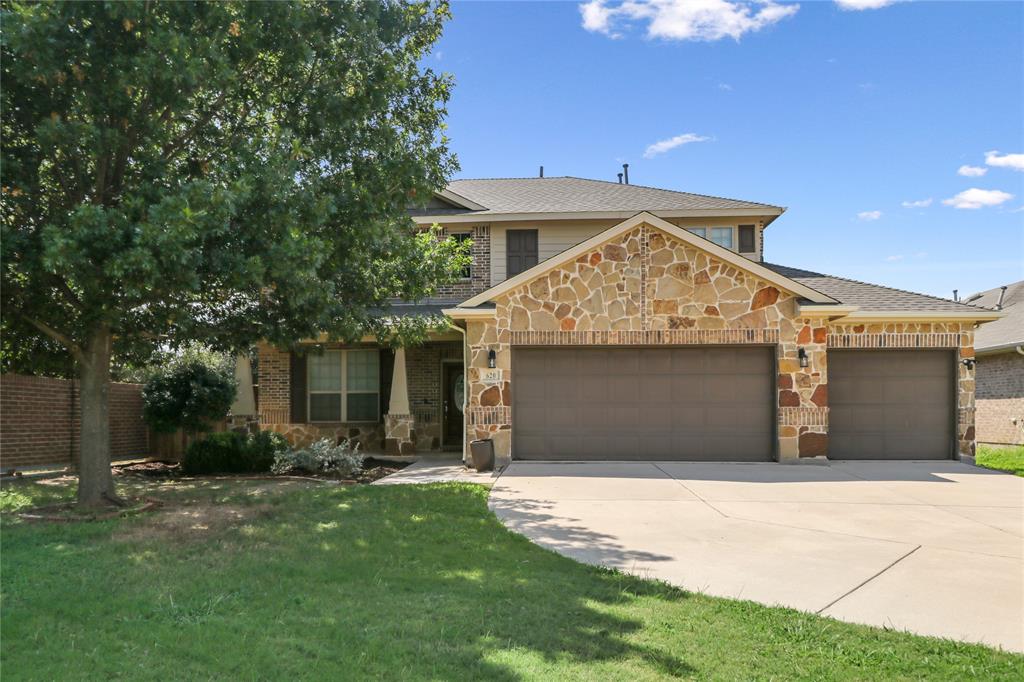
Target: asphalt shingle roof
[
  {"x": 872, "y": 297},
  {"x": 569, "y": 194},
  {"x": 1006, "y": 331}
]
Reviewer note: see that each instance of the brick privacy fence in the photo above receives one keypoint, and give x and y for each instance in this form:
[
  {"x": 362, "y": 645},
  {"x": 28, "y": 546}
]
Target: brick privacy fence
[
  {"x": 40, "y": 422},
  {"x": 1000, "y": 398}
]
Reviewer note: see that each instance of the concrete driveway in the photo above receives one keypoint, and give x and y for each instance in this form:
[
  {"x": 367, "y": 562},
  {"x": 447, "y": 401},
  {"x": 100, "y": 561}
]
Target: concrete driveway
[{"x": 930, "y": 547}]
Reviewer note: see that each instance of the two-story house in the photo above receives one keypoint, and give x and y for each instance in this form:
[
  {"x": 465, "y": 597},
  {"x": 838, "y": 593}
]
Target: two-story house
[{"x": 608, "y": 321}]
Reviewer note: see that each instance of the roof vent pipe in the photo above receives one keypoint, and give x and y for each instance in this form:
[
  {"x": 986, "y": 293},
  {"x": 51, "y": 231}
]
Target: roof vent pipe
[
  {"x": 620, "y": 178},
  {"x": 956, "y": 296},
  {"x": 625, "y": 172},
  {"x": 1002, "y": 293},
  {"x": 542, "y": 171}
]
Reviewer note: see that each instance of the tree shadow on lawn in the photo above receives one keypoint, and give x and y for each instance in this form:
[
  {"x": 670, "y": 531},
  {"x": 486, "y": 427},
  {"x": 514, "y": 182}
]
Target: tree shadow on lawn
[{"x": 432, "y": 573}]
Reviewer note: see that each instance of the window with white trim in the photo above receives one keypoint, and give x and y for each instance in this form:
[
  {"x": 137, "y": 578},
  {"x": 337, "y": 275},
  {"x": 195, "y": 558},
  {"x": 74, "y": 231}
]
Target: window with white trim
[
  {"x": 699, "y": 231},
  {"x": 344, "y": 386},
  {"x": 722, "y": 236}
]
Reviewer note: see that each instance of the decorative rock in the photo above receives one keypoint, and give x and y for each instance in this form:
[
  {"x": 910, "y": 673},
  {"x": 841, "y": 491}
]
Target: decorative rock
[
  {"x": 820, "y": 395},
  {"x": 764, "y": 297},
  {"x": 490, "y": 397},
  {"x": 615, "y": 252},
  {"x": 813, "y": 444},
  {"x": 789, "y": 399}
]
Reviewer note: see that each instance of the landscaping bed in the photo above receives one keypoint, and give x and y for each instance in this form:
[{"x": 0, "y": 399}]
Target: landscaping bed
[{"x": 288, "y": 578}]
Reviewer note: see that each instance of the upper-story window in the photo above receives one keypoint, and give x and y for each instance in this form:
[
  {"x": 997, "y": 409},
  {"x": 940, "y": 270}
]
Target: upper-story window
[
  {"x": 748, "y": 239},
  {"x": 460, "y": 238},
  {"x": 720, "y": 235},
  {"x": 520, "y": 251}
]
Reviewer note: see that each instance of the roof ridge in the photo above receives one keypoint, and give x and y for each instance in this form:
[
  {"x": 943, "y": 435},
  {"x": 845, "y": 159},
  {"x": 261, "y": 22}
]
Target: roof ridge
[
  {"x": 674, "y": 191},
  {"x": 880, "y": 286}
]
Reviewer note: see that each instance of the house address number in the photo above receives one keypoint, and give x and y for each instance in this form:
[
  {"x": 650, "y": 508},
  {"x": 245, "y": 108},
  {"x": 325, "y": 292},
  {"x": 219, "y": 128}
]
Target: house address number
[{"x": 490, "y": 376}]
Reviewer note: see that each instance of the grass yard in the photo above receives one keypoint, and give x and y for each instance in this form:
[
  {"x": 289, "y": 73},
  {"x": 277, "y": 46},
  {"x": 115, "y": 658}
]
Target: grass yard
[
  {"x": 291, "y": 580},
  {"x": 1005, "y": 459}
]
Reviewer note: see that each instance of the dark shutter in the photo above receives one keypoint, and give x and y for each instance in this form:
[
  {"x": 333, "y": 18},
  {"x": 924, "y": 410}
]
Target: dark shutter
[
  {"x": 387, "y": 372},
  {"x": 747, "y": 239},
  {"x": 520, "y": 251},
  {"x": 298, "y": 389}
]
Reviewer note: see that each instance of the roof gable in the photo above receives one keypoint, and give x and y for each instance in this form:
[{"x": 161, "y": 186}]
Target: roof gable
[{"x": 673, "y": 231}]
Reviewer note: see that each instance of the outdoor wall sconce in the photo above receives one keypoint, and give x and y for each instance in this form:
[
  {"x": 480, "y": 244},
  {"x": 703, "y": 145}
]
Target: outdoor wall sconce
[
  {"x": 968, "y": 363},
  {"x": 802, "y": 355},
  {"x": 491, "y": 359}
]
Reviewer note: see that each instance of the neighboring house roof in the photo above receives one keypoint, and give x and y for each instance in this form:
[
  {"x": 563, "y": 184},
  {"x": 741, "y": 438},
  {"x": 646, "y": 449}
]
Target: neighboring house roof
[
  {"x": 1007, "y": 332},
  {"x": 873, "y": 297},
  {"x": 501, "y": 196}
]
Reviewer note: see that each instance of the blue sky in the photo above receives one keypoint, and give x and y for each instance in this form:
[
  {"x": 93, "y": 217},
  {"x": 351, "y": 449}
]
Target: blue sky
[{"x": 842, "y": 115}]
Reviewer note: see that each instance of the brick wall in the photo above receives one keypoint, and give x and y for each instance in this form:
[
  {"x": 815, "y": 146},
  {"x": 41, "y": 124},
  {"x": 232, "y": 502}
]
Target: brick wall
[
  {"x": 1000, "y": 399},
  {"x": 480, "y": 270},
  {"x": 40, "y": 422}
]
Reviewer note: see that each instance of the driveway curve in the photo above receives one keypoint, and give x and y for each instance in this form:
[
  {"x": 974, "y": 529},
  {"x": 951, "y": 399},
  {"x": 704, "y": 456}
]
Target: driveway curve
[{"x": 934, "y": 548}]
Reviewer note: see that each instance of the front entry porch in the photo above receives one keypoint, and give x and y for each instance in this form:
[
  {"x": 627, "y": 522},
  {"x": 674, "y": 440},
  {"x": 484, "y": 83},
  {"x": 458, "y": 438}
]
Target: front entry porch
[{"x": 402, "y": 402}]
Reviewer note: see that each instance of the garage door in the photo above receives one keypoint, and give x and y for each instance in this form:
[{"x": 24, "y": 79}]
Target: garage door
[
  {"x": 643, "y": 403},
  {"x": 887, "y": 404}
]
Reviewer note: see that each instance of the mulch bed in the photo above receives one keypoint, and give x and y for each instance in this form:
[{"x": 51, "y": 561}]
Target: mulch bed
[{"x": 373, "y": 469}]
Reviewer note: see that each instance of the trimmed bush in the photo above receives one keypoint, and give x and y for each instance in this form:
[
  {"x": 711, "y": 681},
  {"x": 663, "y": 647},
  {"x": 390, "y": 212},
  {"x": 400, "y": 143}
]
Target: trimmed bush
[
  {"x": 188, "y": 396},
  {"x": 233, "y": 453},
  {"x": 321, "y": 457}
]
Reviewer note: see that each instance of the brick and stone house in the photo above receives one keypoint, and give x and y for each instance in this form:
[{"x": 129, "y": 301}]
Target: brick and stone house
[
  {"x": 999, "y": 347},
  {"x": 612, "y": 321}
]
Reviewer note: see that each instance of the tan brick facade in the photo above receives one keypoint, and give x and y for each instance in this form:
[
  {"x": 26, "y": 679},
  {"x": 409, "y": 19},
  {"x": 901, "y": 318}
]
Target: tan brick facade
[
  {"x": 646, "y": 287},
  {"x": 1000, "y": 398}
]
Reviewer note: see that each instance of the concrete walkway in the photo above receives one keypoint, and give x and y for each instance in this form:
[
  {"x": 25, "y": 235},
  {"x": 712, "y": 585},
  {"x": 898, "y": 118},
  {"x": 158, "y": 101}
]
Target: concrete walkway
[
  {"x": 934, "y": 548},
  {"x": 438, "y": 470}
]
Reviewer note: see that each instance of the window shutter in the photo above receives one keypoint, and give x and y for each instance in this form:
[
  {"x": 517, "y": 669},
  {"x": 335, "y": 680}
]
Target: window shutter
[
  {"x": 387, "y": 372},
  {"x": 520, "y": 251},
  {"x": 298, "y": 389},
  {"x": 747, "y": 239}
]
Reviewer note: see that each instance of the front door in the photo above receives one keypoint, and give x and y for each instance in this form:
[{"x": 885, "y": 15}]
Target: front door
[{"x": 454, "y": 402}]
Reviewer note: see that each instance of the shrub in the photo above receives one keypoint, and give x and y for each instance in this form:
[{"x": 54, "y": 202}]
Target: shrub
[
  {"x": 321, "y": 457},
  {"x": 233, "y": 453},
  {"x": 188, "y": 396}
]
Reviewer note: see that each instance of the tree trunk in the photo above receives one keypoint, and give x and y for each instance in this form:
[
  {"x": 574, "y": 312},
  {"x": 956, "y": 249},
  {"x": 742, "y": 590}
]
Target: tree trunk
[{"x": 95, "y": 480}]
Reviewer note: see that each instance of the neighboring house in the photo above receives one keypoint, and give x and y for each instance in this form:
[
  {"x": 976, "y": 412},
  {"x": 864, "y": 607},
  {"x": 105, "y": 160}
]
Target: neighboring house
[
  {"x": 612, "y": 321},
  {"x": 999, "y": 347}
]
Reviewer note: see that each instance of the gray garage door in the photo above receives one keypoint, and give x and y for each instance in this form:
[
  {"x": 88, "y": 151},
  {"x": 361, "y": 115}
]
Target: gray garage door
[
  {"x": 887, "y": 404},
  {"x": 643, "y": 403}
]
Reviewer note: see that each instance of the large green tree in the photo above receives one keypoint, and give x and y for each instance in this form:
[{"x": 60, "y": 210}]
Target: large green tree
[{"x": 213, "y": 171}]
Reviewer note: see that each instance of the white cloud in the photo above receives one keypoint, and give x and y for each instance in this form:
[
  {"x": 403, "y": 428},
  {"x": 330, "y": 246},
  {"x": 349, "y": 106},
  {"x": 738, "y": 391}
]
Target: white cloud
[
  {"x": 725, "y": 86},
  {"x": 893, "y": 259},
  {"x": 978, "y": 198},
  {"x": 856, "y": 5},
  {"x": 971, "y": 171},
  {"x": 1014, "y": 161},
  {"x": 920, "y": 203},
  {"x": 662, "y": 146},
  {"x": 869, "y": 215},
  {"x": 685, "y": 19},
  {"x": 921, "y": 254}
]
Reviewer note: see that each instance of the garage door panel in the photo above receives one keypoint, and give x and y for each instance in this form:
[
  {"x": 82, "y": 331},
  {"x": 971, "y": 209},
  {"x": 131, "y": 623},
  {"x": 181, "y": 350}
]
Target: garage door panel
[
  {"x": 891, "y": 404},
  {"x": 644, "y": 403}
]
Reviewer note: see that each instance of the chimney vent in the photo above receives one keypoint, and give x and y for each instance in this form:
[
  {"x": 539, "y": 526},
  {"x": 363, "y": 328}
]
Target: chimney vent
[
  {"x": 625, "y": 172},
  {"x": 620, "y": 178},
  {"x": 1002, "y": 293},
  {"x": 956, "y": 296},
  {"x": 542, "y": 171}
]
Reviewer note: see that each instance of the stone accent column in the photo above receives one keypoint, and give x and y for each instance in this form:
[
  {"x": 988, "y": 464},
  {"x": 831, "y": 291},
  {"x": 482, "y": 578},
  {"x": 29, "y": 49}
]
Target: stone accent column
[{"x": 398, "y": 422}]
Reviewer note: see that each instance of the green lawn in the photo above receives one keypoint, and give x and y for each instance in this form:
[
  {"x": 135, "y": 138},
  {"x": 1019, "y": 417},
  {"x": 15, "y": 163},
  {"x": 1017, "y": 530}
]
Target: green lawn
[
  {"x": 1005, "y": 459},
  {"x": 259, "y": 580}
]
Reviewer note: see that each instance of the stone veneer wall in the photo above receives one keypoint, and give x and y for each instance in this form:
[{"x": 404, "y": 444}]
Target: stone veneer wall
[
  {"x": 1000, "y": 398},
  {"x": 646, "y": 288}
]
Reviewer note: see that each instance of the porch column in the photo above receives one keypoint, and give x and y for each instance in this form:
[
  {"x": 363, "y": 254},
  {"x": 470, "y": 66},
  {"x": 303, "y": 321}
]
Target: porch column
[{"x": 398, "y": 423}]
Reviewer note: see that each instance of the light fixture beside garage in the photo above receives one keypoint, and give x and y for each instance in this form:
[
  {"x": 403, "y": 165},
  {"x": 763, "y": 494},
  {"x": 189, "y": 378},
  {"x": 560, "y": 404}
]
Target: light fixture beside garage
[
  {"x": 492, "y": 358},
  {"x": 968, "y": 363},
  {"x": 802, "y": 355}
]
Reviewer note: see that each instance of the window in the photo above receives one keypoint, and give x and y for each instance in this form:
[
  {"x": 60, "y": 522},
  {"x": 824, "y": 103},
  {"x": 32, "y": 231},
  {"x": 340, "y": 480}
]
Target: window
[
  {"x": 747, "y": 236},
  {"x": 344, "y": 386},
  {"x": 699, "y": 231},
  {"x": 461, "y": 238},
  {"x": 722, "y": 236}
]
